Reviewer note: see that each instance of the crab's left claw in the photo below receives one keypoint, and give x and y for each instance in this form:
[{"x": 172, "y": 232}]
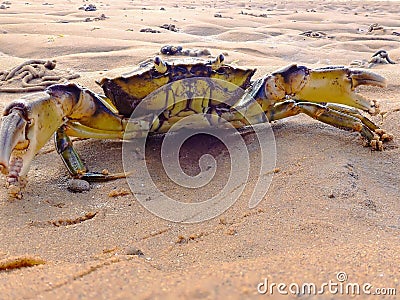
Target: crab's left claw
[{"x": 324, "y": 85}]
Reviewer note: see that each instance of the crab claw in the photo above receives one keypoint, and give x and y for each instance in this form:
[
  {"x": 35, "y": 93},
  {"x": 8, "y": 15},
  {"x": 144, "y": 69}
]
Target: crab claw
[
  {"x": 12, "y": 134},
  {"x": 330, "y": 84},
  {"x": 23, "y": 132},
  {"x": 29, "y": 122}
]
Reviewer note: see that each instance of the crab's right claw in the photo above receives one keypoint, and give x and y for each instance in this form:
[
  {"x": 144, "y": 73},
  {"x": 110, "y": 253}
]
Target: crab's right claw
[
  {"x": 324, "y": 85},
  {"x": 327, "y": 94}
]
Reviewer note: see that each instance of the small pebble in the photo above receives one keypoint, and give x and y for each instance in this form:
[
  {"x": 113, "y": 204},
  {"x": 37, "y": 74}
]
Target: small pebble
[
  {"x": 78, "y": 185},
  {"x": 134, "y": 251},
  {"x": 91, "y": 7},
  {"x": 119, "y": 192}
]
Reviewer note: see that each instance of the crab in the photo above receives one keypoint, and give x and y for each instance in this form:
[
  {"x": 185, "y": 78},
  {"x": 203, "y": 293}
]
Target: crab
[{"x": 63, "y": 110}]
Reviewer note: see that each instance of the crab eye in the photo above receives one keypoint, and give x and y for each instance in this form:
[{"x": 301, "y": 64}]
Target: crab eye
[
  {"x": 216, "y": 63},
  {"x": 157, "y": 60},
  {"x": 221, "y": 58},
  {"x": 160, "y": 65}
]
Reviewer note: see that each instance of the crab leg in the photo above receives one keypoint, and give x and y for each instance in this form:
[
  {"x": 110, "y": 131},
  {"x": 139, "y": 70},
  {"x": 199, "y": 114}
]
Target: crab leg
[
  {"x": 70, "y": 157},
  {"x": 68, "y": 154},
  {"x": 334, "y": 115},
  {"x": 136, "y": 129},
  {"x": 353, "y": 112},
  {"x": 74, "y": 163}
]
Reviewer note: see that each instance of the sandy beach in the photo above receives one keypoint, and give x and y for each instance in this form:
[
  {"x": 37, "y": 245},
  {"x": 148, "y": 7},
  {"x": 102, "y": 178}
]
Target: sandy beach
[{"x": 332, "y": 207}]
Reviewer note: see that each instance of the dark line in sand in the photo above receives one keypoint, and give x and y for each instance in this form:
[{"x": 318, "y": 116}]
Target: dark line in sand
[
  {"x": 20, "y": 262},
  {"x": 65, "y": 222}
]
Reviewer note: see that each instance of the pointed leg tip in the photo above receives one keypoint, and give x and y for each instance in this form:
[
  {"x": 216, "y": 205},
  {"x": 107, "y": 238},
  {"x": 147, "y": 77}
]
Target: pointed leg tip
[
  {"x": 387, "y": 137},
  {"x": 380, "y": 146},
  {"x": 376, "y": 145},
  {"x": 380, "y": 137},
  {"x": 383, "y": 135},
  {"x": 14, "y": 191}
]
